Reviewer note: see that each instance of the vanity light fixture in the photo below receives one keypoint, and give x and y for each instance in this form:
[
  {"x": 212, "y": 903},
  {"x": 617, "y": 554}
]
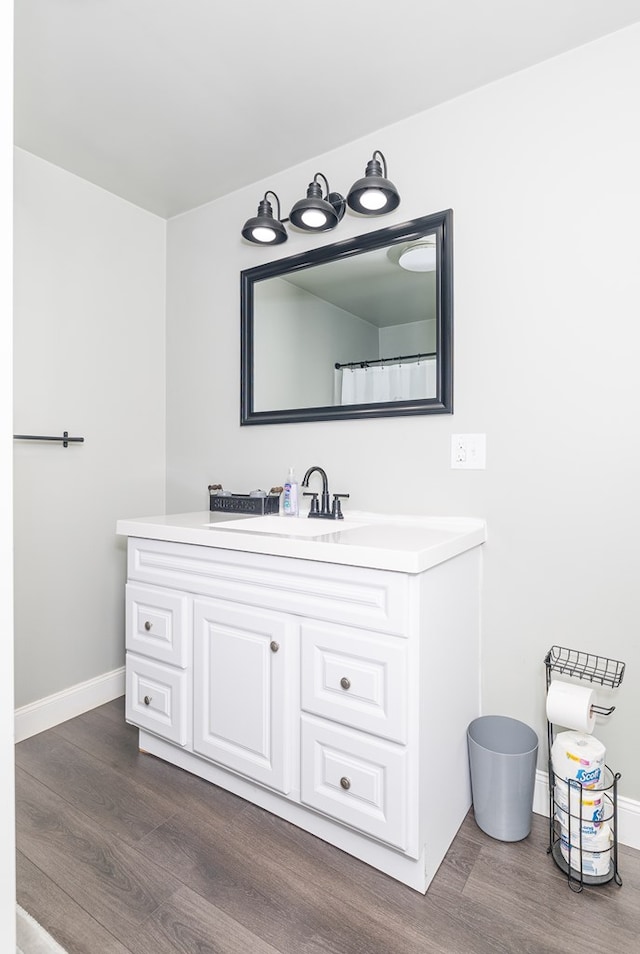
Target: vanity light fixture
[
  {"x": 374, "y": 194},
  {"x": 263, "y": 229},
  {"x": 419, "y": 256},
  {"x": 315, "y": 213}
]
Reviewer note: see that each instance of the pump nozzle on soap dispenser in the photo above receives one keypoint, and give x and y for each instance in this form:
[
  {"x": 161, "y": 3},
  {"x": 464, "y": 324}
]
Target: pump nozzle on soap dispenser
[{"x": 290, "y": 496}]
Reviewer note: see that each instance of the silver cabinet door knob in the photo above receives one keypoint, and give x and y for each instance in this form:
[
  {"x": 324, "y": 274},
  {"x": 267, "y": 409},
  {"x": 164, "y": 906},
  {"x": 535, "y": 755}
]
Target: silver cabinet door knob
[
  {"x": 274, "y": 646},
  {"x": 147, "y": 700},
  {"x": 148, "y": 625},
  {"x": 346, "y": 783},
  {"x": 345, "y": 683}
]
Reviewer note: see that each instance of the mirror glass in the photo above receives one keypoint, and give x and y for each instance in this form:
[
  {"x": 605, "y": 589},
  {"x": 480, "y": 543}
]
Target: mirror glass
[{"x": 360, "y": 328}]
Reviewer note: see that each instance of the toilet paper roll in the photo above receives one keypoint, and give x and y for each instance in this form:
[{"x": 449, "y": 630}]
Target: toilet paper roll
[
  {"x": 595, "y": 861},
  {"x": 588, "y": 808},
  {"x": 576, "y": 755},
  {"x": 571, "y": 706},
  {"x": 588, "y": 830},
  {"x": 586, "y": 803},
  {"x": 601, "y": 841}
]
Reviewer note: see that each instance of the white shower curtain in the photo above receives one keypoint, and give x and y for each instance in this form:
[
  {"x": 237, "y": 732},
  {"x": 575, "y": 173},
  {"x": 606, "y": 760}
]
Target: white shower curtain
[{"x": 389, "y": 382}]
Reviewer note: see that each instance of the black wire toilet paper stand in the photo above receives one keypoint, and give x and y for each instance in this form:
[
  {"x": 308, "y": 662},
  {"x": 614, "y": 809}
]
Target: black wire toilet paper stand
[{"x": 566, "y": 842}]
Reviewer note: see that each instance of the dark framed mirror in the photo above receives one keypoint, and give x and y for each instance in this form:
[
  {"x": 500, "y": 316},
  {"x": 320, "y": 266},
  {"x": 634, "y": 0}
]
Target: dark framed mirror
[{"x": 361, "y": 328}]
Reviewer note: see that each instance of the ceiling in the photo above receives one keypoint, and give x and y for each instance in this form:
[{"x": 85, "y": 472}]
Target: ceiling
[
  {"x": 173, "y": 103},
  {"x": 372, "y": 286}
]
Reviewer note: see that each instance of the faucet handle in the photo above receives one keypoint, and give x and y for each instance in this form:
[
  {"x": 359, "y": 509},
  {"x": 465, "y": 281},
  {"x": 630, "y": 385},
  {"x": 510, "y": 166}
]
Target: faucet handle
[
  {"x": 314, "y": 502},
  {"x": 336, "y": 508}
]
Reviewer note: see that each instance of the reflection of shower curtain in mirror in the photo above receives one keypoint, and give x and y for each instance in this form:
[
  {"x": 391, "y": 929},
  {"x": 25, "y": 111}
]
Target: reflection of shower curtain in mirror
[{"x": 412, "y": 381}]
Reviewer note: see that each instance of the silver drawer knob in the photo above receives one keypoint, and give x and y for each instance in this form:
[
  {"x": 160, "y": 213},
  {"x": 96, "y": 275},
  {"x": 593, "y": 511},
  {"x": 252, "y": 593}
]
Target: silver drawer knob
[
  {"x": 345, "y": 683},
  {"x": 147, "y": 700},
  {"x": 346, "y": 783},
  {"x": 274, "y": 646},
  {"x": 148, "y": 625}
]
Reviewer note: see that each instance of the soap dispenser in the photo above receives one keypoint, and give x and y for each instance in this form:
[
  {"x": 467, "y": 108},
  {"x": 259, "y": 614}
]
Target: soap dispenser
[{"x": 290, "y": 496}]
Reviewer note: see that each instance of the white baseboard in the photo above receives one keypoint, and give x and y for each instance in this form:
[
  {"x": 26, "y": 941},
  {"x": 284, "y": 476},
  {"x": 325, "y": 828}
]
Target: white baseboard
[
  {"x": 628, "y": 811},
  {"x": 71, "y": 702}
]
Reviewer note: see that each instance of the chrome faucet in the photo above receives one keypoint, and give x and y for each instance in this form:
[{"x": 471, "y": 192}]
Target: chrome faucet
[{"x": 331, "y": 513}]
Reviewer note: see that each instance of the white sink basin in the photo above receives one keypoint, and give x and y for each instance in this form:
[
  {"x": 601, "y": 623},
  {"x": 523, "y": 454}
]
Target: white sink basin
[{"x": 288, "y": 526}]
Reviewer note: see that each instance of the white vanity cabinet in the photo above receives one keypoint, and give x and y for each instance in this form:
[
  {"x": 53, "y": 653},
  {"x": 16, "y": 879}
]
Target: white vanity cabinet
[{"x": 334, "y": 695}]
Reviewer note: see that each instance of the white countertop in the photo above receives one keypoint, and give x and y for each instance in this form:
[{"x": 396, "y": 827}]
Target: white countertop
[{"x": 407, "y": 544}]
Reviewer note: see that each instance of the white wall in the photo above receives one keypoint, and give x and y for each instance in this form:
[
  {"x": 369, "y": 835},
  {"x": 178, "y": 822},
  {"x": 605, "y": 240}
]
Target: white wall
[
  {"x": 7, "y": 808},
  {"x": 541, "y": 171},
  {"x": 294, "y": 322},
  {"x": 90, "y": 359},
  {"x": 415, "y": 337}
]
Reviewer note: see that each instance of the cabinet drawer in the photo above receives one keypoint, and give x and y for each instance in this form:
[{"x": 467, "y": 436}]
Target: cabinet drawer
[
  {"x": 158, "y": 624},
  {"x": 355, "y": 779},
  {"x": 357, "y": 679},
  {"x": 156, "y": 698}
]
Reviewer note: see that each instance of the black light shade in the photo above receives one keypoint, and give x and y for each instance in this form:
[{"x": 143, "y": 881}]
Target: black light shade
[
  {"x": 315, "y": 213},
  {"x": 263, "y": 229},
  {"x": 374, "y": 194}
]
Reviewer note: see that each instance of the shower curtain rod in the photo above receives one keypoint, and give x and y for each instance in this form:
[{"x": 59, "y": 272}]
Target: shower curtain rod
[{"x": 399, "y": 358}]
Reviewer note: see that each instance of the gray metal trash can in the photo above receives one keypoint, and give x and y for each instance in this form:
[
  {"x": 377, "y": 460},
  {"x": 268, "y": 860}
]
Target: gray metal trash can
[{"x": 502, "y": 760}]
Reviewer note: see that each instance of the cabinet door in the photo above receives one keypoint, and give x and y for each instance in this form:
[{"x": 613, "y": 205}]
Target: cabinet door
[{"x": 242, "y": 690}]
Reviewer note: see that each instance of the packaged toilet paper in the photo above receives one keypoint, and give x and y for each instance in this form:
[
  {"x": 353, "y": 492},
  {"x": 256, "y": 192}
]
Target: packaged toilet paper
[
  {"x": 600, "y": 842},
  {"x": 579, "y": 756},
  {"x": 595, "y": 858},
  {"x": 590, "y": 830},
  {"x": 588, "y": 807}
]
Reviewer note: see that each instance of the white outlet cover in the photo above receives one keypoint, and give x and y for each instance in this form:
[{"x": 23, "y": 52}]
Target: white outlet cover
[{"x": 469, "y": 451}]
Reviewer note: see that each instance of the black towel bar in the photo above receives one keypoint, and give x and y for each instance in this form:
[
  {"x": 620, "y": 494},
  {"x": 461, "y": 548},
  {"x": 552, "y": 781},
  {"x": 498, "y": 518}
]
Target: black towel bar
[{"x": 65, "y": 439}]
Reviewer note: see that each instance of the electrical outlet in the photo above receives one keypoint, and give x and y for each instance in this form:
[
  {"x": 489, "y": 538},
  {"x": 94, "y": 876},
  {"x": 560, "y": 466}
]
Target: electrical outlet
[{"x": 469, "y": 451}]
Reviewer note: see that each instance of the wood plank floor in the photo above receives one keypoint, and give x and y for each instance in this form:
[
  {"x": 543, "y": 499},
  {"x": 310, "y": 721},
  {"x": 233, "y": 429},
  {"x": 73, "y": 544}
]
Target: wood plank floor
[{"x": 120, "y": 853}]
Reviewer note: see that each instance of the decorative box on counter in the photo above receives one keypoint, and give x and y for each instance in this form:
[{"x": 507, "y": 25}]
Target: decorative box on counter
[{"x": 258, "y": 502}]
